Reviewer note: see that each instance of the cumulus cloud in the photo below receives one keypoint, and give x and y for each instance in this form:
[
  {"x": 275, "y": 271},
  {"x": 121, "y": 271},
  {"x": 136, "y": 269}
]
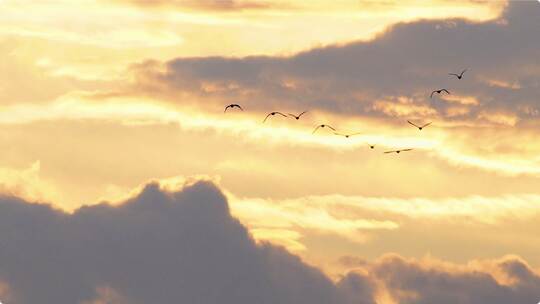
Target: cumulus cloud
[
  {"x": 410, "y": 281},
  {"x": 404, "y": 63},
  {"x": 184, "y": 246},
  {"x": 158, "y": 247}
]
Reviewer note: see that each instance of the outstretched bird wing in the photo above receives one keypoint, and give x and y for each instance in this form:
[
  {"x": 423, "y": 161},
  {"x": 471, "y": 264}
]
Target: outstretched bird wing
[
  {"x": 462, "y": 72},
  {"x": 426, "y": 124},
  {"x": 431, "y": 96},
  {"x": 302, "y": 113},
  {"x": 404, "y": 150},
  {"x": 280, "y": 114},
  {"x": 227, "y": 107},
  {"x": 413, "y": 124},
  {"x": 393, "y": 151},
  {"x": 317, "y": 128},
  {"x": 330, "y": 127},
  {"x": 445, "y": 90},
  {"x": 238, "y": 106},
  {"x": 267, "y": 117}
]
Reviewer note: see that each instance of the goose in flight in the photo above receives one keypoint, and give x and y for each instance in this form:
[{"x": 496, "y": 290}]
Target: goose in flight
[
  {"x": 419, "y": 127},
  {"x": 297, "y": 116},
  {"x": 397, "y": 151},
  {"x": 346, "y": 135},
  {"x": 272, "y": 114},
  {"x": 439, "y": 92},
  {"x": 233, "y": 105},
  {"x": 459, "y": 76},
  {"x": 323, "y": 126}
]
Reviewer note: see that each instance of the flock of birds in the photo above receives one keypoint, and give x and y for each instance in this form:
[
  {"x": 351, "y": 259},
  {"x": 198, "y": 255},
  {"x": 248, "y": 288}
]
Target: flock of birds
[{"x": 347, "y": 135}]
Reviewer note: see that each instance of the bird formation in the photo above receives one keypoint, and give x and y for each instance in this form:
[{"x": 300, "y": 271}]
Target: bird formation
[{"x": 347, "y": 135}]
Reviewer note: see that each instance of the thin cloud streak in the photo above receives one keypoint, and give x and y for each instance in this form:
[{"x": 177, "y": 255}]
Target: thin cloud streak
[{"x": 135, "y": 112}]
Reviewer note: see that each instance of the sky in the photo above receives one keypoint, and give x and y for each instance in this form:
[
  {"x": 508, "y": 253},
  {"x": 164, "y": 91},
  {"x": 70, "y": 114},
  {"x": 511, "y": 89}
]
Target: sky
[{"x": 122, "y": 178}]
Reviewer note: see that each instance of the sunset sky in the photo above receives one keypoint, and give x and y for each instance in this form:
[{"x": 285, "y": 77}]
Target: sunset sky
[{"x": 120, "y": 103}]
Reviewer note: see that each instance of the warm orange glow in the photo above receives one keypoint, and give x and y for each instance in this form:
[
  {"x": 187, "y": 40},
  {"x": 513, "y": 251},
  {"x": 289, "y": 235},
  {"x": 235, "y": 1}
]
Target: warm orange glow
[{"x": 80, "y": 125}]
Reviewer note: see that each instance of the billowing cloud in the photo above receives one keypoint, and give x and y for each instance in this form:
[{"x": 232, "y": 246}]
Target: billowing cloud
[
  {"x": 391, "y": 75},
  {"x": 184, "y": 246},
  {"x": 508, "y": 280},
  {"x": 158, "y": 247}
]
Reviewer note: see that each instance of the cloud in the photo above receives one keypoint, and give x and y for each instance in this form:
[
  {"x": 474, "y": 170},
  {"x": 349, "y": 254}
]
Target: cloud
[
  {"x": 422, "y": 282},
  {"x": 212, "y": 5},
  {"x": 406, "y": 281},
  {"x": 495, "y": 226},
  {"x": 184, "y": 246},
  {"x": 26, "y": 183},
  {"x": 158, "y": 247},
  {"x": 404, "y": 63}
]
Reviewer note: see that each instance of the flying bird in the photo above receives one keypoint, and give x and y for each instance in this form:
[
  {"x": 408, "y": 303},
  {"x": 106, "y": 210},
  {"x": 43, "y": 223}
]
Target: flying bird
[
  {"x": 233, "y": 106},
  {"x": 272, "y": 114},
  {"x": 297, "y": 116},
  {"x": 371, "y": 146},
  {"x": 323, "y": 126},
  {"x": 346, "y": 135},
  {"x": 460, "y": 75},
  {"x": 438, "y": 92},
  {"x": 419, "y": 127},
  {"x": 398, "y": 151}
]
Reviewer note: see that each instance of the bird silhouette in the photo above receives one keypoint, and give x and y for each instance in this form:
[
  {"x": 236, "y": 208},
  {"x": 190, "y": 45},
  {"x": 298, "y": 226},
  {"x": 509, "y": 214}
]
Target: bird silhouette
[
  {"x": 323, "y": 126},
  {"x": 371, "y": 146},
  {"x": 297, "y": 116},
  {"x": 233, "y": 105},
  {"x": 346, "y": 135},
  {"x": 419, "y": 127},
  {"x": 438, "y": 92},
  {"x": 459, "y": 76},
  {"x": 272, "y": 114},
  {"x": 397, "y": 151}
]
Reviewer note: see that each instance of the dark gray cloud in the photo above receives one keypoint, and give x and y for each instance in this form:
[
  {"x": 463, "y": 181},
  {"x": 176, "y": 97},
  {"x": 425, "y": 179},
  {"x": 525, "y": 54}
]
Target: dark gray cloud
[
  {"x": 158, "y": 247},
  {"x": 413, "y": 282},
  {"x": 408, "y": 60},
  {"x": 184, "y": 247}
]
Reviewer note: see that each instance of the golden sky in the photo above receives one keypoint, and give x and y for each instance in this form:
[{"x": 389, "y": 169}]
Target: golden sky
[{"x": 99, "y": 98}]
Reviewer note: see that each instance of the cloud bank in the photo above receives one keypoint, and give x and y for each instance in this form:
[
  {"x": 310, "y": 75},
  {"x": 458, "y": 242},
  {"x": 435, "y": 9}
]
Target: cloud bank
[
  {"x": 508, "y": 280},
  {"x": 158, "y": 247},
  {"x": 389, "y": 76},
  {"x": 184, "y": 246}
]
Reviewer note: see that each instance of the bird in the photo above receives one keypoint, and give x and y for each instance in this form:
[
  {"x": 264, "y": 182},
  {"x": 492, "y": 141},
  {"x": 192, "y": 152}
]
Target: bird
[
  {"x": 438, "y": 92},
  {"x": 297, "y": 116},
  {"x": 272, "y": 114},
  {"x": 371, "y": 146},
  {"x": 323, "y": 126},
  {"x": 419, "y": 127},
  {"x": 233, "y": 105},
  {"x": 346, "y": 135},
  {"x": 460, "y": 75},
  {"x": 397, "y": 151}
]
